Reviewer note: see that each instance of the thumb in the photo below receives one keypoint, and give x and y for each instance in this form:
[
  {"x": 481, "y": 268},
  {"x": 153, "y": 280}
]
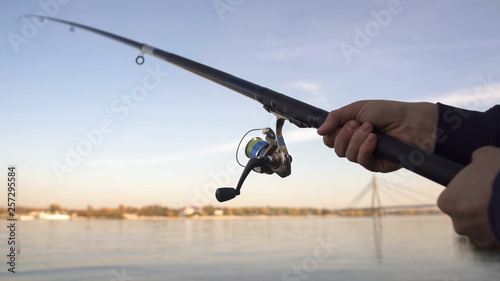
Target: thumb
[{"x": 339, "y": 117}]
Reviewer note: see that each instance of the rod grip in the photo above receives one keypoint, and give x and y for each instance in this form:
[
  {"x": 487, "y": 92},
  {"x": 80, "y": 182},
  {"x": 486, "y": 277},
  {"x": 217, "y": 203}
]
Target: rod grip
[
  {"x": 427, "y": 164},
  {"x": 424, "y": 163}
]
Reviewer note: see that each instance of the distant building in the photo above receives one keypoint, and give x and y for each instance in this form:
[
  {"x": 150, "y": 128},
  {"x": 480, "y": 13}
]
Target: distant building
[
  {"x": 130, "y": 216},
  {"x": 218, "y": 212},
  {"x": 189, "y": 211}
]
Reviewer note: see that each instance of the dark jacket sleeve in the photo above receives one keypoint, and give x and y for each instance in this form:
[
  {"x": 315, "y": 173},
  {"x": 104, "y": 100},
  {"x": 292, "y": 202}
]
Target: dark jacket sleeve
[{"x": 459, "y": 133}]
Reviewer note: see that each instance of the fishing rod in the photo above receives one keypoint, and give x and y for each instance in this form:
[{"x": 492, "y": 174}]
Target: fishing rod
[{"x": 270, "y": 155}]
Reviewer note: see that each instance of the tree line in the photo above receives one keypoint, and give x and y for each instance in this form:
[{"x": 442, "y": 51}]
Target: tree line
[{"x": 163, "y": 211}]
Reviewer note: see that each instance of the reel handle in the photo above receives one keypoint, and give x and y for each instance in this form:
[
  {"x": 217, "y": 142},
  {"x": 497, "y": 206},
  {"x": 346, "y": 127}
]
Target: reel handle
[{"x": 227, "y": 193}]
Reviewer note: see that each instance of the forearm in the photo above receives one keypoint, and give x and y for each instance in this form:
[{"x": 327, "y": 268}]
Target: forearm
[{"x": 460, "y": 132}]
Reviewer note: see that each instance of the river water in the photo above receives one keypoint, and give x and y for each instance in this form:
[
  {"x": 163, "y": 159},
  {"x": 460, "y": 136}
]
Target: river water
[{"x": 351, "y": 249}]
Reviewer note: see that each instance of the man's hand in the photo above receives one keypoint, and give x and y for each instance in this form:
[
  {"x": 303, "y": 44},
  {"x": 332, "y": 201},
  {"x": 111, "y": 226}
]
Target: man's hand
[
  {"x": 467, "y": 197},
  {"x": 349, "y": 130}
]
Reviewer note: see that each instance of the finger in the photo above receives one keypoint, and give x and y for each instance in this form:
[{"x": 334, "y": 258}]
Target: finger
[
  {"x": 344, "y": 137},
  {"x": 357, "y": 140},
  {"x": 366, "y": 156},
  {"x": 449, "y": 198},
  {"x": 330, "y": 124},
  {"x": 329, "y": 140},
  {"x": 443, "y": 202},
  {"x": 338, "y": 118}
]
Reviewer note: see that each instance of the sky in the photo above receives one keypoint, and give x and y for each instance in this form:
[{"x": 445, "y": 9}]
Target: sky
[{"x": 85, "y": 125}]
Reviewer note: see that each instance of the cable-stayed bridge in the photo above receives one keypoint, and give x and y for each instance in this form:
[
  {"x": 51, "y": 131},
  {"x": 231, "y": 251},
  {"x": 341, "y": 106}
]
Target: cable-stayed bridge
[{"x": 394, "y": 195}]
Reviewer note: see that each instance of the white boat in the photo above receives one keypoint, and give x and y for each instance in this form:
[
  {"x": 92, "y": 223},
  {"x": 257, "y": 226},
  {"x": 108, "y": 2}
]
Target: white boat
[{"x": 36, "y": 215}]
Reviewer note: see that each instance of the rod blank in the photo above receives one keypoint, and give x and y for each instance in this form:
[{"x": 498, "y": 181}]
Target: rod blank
[{"x": 424, "y": 163}]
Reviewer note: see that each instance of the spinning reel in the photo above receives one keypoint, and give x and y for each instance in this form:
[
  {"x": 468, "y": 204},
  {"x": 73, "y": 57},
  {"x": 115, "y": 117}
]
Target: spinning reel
[{"x": 266, "y": 157}]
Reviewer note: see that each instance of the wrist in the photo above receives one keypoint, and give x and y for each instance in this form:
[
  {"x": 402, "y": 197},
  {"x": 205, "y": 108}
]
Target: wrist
[{"x": 422, "y": 118}]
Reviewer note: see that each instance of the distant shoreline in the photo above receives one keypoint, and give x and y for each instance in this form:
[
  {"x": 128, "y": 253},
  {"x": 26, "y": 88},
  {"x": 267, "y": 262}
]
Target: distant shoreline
[
  {"x": 157, "y": 212},
  {"x": 270, "y": 217},
  {"x": 257, "y": 217}
]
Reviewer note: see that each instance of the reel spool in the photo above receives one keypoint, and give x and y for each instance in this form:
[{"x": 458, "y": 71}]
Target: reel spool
[{"x": 266, "y": 157}]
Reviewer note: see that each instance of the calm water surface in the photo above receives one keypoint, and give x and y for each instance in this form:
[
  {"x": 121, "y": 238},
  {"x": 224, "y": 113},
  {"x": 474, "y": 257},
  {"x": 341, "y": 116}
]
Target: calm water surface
[{"x": 395, "y": 248}]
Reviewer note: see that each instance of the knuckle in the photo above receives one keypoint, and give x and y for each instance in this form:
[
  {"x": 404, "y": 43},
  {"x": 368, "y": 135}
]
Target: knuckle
[
  {"x": 478, "y": 153},
  {"x": 484, "y": 151},
  {"x": 442, "y": 203}
]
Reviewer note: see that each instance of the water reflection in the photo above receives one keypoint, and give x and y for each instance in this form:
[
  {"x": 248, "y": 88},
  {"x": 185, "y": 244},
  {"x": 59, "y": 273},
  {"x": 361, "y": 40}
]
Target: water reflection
[
  {"x": 363, "y": 248},
  {"x": 377, "y": 234}
]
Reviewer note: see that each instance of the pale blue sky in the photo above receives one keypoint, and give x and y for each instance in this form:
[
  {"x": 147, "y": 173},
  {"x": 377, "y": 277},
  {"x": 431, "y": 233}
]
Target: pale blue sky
[{"x": 181, "y": 137}]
